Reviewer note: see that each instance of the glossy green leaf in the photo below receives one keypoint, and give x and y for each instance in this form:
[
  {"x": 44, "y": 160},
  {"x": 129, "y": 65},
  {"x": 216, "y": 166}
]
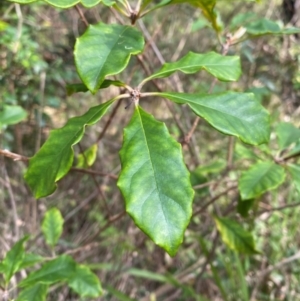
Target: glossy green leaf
[
  {"x": 55, "y": 157},
  {"x": 232, "y": 113},
  {"x": 225, "y": 68},
  {"x": 37, "y": 292},
  {"x": 105, "y": 50},
  {"x": 294, "y": 171},
  {"x": 90, "y": 3},
  {"x": 52, "y": 226},
  {"x": 60, "y": 269},
  {"x": 85, "y": 283},
  {"x": 88, "y": 157},
  {"x": 75, "y": 88},
  {"x": 155, "y": 181},
  {"x": 235, "y": 237},
  {"x": 287, "y": 134},
  {"x": 11, "y": 115},
  {"x": 261, "y": 177},
  {"x": 63, "y": 3},
  {"x": 13, "y": 259}
]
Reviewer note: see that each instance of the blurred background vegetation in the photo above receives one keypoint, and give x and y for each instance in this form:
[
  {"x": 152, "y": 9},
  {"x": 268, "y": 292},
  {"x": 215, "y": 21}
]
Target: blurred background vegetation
[{"x": 36, "y": 63}]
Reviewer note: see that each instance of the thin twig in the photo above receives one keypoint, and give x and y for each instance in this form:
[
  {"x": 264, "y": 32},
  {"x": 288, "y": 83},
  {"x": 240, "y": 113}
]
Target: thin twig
[
  {"x": 81, "y": 14},
  {"x": 213, "y": 199}
]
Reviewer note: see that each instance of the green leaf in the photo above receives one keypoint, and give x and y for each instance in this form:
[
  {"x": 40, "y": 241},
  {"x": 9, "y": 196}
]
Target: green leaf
[
  {"x": 295, "y": 151},
  {"x": 235, "y": 237},
  {"x": 55, "y": 157},
  {"x": 75, "y": 88},
  {"x": 225, "y": 68},
  {"x": 232, "y": 113},
  {"x": 148, "y": 275},
  {"x": 30, "y": 259},
  {"x": 261, "y": 177},
  {"x": 52, "y": 226},
  {"x": 294, "y": 171},
  {"x": 262, "y": 26},
  {"x": 85, "y": 283},
  {"x": 88, "y": 157},
  {"x": 60, "y": 269},
  {"x": 23, "y": 1},
  {"x": 37, "y": 292},
  {"x": 105, "y": 50},
  {"x": 11, "y": 115},
  {"x": 243, "y": 207},
  {"x": 13, "y": 259},
  {"x": 287, "y": 134},
  {"x": 90, "y": 3},
  {"x": 118, "y": 295},
  {"x": 63, "y": 3},
  {"x": 155, "y": 181}
]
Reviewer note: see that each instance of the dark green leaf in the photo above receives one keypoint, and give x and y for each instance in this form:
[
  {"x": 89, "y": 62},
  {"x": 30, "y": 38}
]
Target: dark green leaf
[
  {"x": 75, "y": 88},
  {"x": 85, "y": 283},
  {"x": 105, "y": 50},
  {"x": 287, "y": 134},
  {"x": 52, "y": 226},
  {"x": 55, "y": 157},
  {"x": 232, "y": 113},
  {"x": 261, "y": 177},
  {"x": 13, "y": 259},
  {"x": 60, "y": 269},
  {"x": 37, "y": 292},
  {"x": 243, "y": 207},
  {"x": 225, "y": 68},
  {"x": 11, "y": 115},
  {"x": 155, "y": 181},
  {"x": 294, "y": 171},
  {"x": 235, "y": 237}
]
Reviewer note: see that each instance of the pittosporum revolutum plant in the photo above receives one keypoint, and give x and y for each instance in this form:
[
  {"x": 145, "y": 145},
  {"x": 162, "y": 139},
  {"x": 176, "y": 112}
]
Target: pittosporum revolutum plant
[{"x": 154, "y": 179}]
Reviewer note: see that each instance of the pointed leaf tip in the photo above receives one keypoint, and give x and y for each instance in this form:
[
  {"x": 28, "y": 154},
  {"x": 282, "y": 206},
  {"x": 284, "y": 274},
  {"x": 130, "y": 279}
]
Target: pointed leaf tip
[
  {"x": 155, "y": 182},
  {"x": 55, "y": 158}
]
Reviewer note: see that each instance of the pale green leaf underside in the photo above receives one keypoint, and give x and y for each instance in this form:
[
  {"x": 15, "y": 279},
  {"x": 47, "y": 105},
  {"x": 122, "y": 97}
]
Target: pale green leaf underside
[
  {"x": 261, "y": 177},
  {"x": 11, "y": 115},
  {"x": 52, "y": 226},
  {"x": 105, "y": 50},
  {"x": 85, "y": 283},
  {"x": 287, "y": 134},
  {"x": 225, "y": 68},
  {"x": 294, "y": 171},
  {"x": 264, "y": 26},
  {"x": 55, "y": 157},
  {"x": 37, "y": 292},
  {"x": 155, "y": 181},
  {"x": 232, "y": 113},
  {"x": 235, "y": 237},
  {"x": 70, "y": 3}
]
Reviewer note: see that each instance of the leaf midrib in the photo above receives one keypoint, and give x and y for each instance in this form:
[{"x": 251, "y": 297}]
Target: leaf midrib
[{"x": 154, "y": 173}]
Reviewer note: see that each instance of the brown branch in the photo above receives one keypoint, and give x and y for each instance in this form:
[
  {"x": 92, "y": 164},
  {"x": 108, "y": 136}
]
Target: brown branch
[
  {"x": 13, "y": 156},
  {"x": 213, "y": 199},
  {"x": 81, "y": 14}
]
